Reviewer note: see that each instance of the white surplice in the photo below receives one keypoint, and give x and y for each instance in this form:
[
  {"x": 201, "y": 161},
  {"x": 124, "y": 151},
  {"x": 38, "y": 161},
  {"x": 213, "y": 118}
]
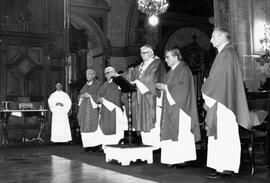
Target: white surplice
[
  {"x": 98, "y": 138},
  {"x": 121, "y": 123},
  {"x": 153, "y": 137},
  {"x": 60, "y": 128},
  {"x": 184, "y": 149},
  {"x": 224, "y": 152},
  {"x": 175, "y": 152},
  {"x": 92, "y": 139}
]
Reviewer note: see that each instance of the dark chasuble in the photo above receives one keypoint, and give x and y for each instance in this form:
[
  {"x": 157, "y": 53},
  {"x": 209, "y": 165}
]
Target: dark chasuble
[
  {"x": 87, "y": 113},
  {"x": 144, "y": 105},
  {"x": 180, "y": 84},
  {"x": 225, "y": 85},
  {"x": 107, "y": 121}
]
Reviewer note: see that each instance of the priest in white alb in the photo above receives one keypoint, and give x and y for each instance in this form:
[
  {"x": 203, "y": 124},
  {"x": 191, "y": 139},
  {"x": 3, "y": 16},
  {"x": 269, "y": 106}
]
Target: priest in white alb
[
  {"x": 179, "y": 126},
  {"x": 113, "y": 120},
  {"x": 60, "y": 104},
  {"x": 145, "y": 114},
  {"x": 88, "y": 112},
  {"x": 226, "y": 105}
]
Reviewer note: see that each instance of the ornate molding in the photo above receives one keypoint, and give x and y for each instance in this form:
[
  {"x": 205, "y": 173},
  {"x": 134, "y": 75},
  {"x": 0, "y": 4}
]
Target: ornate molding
[{"x": 93, "y": 4}]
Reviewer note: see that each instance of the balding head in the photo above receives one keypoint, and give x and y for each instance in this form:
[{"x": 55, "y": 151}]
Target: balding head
[
  {"x": 219, "y": 37},
  {"x": 223, "y": 31},
  {"x": 109, "y": 72},
  {"x": 90, "y": 74},
  {"x": 109, "y": 69}
]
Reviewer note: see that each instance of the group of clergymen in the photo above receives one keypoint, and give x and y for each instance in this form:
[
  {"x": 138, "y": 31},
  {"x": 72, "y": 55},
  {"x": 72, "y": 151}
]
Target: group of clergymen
[{"x": 164, "y": 108}]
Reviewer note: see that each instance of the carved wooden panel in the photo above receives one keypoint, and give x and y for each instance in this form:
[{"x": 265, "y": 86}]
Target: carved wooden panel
[
  {"x": 13, "y": 52},
  {"x": 35, "y": 53},
  {"x": 56, "y": 63},
  {"x": 36, "y": 8},
  {"x": 24, "y": 15},
  {"x": 56, "y": 12},
  {"x": 13, "y": 84},
  {"x": 27, "y": 27},
  {"x": 56, "y": 76},
  {"x": 35, "y": 83},
  {"x": 25, "y": 66}
]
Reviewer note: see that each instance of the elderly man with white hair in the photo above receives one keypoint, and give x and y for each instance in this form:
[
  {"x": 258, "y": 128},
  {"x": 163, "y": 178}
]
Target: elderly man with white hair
[
  {"x": 226, "y": 105},
  {"x": 112, "y": 120},
  {"x": 145, "y": 114},
  {"x": 88, "y": 111}
]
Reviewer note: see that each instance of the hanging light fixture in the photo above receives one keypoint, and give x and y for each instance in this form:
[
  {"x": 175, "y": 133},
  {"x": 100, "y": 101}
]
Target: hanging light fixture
[{"x": 153, "y": 8}]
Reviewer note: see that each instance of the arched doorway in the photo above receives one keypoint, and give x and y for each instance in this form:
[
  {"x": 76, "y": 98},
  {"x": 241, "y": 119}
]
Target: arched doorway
[
  {"x": 93, "y": 54},
  {"x": 89, "y": 49}
]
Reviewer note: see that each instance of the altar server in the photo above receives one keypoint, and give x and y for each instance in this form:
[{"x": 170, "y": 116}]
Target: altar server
[{"x": 60, "y": 104}]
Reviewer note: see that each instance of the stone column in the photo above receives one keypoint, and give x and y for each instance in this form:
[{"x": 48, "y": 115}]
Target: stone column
[
  {"x": 236, "y": 16},
  {"x": 240, "y": 12},
  {"x": 221, "y": 13}
]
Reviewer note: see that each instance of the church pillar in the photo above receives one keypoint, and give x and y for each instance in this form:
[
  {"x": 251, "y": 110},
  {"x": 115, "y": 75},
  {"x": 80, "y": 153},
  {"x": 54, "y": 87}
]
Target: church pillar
[
  {"x": 221, "y": 13},
  {"x": 237, "y": 17},
  {"x": 240, "y": 12}
]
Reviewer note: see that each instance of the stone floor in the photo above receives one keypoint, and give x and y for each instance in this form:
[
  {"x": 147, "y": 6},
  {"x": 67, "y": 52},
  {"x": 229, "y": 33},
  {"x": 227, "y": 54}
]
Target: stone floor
[{"x": 67, "y": 163}]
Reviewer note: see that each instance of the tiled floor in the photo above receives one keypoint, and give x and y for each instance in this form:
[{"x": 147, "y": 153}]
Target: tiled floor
[
  {"x": 66, "y": 164},
  {"x": 54, "y": 169}
]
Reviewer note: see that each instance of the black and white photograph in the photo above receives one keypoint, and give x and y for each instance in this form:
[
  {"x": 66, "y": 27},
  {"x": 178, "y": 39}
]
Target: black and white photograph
[{"x": 134, "y": 91}]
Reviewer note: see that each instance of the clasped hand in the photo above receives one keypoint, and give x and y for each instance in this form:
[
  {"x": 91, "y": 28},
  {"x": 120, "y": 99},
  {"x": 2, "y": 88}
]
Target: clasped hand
[
  {"x": 160, "y": 86},
  {"x": 85, "y": 95},
  {"x": 59, "y": 104},
  {"x": 99, "y": 100}
]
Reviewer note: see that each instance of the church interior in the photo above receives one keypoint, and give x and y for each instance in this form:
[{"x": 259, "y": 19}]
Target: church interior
[{"x": 47, "y": 41}]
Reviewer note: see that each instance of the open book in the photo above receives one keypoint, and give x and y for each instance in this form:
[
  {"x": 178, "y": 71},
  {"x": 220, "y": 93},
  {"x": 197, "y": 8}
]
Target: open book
[{"x": 124, "y": 84}]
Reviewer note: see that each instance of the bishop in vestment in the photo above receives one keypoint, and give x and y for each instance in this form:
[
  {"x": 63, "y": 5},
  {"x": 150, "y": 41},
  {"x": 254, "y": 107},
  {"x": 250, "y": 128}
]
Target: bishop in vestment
[
  {"x": 144, "y": 112},
  {"x": 113, "y": 120},
  {"x": 179, "y": 121},
  {"x": 226, "y": 105},
  {"x": 60, "y": 104},
  {"x": 88, "y": 111}
]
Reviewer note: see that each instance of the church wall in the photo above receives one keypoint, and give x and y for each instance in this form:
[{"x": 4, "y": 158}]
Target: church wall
[
  {"x": 91, "y": 17},
  {"x": 118, "y": 22},
  {"x": 32, "y": 51},
  {"x": 240, "y": 22},
  {"x": 246, "y": 19}
]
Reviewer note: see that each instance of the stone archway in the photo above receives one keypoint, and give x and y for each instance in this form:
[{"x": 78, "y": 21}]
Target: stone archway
[
  {"x": 184, "y": 36},
  {"x": 96, "y": 44},
  {"x": 138, "y": 31}
]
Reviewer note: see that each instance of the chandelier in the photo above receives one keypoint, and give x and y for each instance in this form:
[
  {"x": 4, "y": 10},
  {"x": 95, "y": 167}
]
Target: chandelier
[
  {"x": 153, "y": 8},
  {"x": 265, "y": 42}
]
